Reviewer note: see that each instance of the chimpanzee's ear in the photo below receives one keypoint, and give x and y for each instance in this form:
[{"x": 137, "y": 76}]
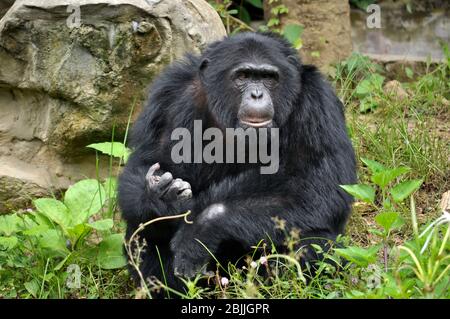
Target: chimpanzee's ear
[{"x": 204, "y": 64}]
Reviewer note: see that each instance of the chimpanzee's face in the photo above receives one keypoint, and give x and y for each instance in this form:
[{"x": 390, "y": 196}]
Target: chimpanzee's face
[
  {"x": 250, "y": 82},
  {"x": 255, "y": 85}
]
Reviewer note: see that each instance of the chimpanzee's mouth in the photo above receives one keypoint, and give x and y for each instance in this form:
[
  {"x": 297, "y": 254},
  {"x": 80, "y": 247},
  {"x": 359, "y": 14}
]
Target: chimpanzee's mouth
[{"x": 256, "y": 123}]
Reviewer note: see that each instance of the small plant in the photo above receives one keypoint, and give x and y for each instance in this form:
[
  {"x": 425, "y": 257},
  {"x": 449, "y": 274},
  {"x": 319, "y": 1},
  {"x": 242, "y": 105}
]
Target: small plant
[
  {"x": 384, "y": 179},
  {"x": 276, "y": 11},
  {"x": 233, "y": 18},
  {"x": 243, "y": 14},
  {"x": 418, "y": 268},
  {"x": 238, "y": 19},
  {"x": 362, "y": 4},
  {"x": 391, "y": 194},
  {"x": 368, "y": 90},
  {"x": 425, "y": 260},
  {"x": 292, "y": 32},
  {"x": 62, "y": 235},
  {"x": 420, "y": 264},
  {"x": 358, "y": 77}
]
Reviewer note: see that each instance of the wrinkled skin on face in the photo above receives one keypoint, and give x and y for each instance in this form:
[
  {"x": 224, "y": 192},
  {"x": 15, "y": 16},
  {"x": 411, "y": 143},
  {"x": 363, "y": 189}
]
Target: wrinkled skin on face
[{"x": 248, "y": 90}]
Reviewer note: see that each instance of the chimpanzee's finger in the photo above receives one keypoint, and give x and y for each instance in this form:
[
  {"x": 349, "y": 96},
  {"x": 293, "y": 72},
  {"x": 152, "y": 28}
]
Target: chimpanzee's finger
[
  {"x": 164, "y": 181},
  {"x": 152, "y": 170},
  {"x": 172, "y": 191},
  {"x": 186, "y": 194}
]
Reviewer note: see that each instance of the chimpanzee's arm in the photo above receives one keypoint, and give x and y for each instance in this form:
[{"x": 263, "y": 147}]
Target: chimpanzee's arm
[{"x": 147, "y": 191}]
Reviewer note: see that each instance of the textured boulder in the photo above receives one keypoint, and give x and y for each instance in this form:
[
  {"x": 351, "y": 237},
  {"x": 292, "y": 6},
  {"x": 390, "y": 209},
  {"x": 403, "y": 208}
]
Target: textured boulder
[
  {"x": 67, "y": 79},
  {"x": 4, "y": 6}
]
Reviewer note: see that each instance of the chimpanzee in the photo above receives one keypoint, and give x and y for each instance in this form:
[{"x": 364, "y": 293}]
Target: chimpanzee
[{"x": 247, "y": 81}]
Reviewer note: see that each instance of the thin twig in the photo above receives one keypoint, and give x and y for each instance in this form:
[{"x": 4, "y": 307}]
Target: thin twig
[{"x": 135, "y": 262}]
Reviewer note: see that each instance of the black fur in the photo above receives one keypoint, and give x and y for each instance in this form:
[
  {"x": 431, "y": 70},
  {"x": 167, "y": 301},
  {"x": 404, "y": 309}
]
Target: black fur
[{"x": 316, "y": 156}]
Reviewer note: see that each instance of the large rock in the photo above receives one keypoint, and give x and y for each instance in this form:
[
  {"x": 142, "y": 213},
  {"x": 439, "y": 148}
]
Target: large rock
[
  {"x": 327, "y": 34},
  {"x": 65, "y": 85},
  {"x": 4, "y": 6}
]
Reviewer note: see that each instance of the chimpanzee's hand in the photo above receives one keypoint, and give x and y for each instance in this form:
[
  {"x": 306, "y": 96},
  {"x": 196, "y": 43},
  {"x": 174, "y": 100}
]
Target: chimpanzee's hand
[
  {"x": 190, "y": 257},
  {"x": 165, "y": 187}
]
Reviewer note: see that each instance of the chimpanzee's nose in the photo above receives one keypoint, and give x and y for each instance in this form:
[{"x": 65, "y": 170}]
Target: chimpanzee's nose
[{"x": 257, "y": 93}]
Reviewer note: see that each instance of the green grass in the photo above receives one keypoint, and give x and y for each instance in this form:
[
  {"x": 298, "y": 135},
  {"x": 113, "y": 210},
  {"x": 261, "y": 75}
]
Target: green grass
[{"x": 390, "y": 251}]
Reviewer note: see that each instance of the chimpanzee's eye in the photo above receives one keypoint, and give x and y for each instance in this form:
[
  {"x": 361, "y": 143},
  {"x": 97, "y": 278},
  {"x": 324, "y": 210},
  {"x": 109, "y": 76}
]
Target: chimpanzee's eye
[
  {"x": 270, "y": 80},
  {"x": 270, "y": 76},
  {"x": 242, "y": 76}
]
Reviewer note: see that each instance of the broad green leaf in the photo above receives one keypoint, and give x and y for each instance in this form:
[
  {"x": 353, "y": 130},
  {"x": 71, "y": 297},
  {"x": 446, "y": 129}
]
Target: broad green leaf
[
  {"x": 36, "y": 230},
  {"x": 409, "y": 72},
  {"x": 48, "y": 276},
  {"x": 244, "y": 15},
  {"x": 273, "y": 22},
  {"x": 115, "y": 149},
  {"x": 256, "y": 3},
  {"x": 110, "y": 186},
  {"x": 401, "y": 191},
  {"x": 374, "y": 166},
  {"x": 90, "y": 252},
  {"x": 360, "y": 256},
  {"x": 9, "y": 224},
  {"x": 54, "y": 241},
  {"x": 367, "y": 104},
  {"x": 317, "y": 248},
  {"x": 376, "y": 232},
  {"x": 399, "y": 222},
  {"x": 77, "y": 232},
  {"x": 376, "y": 80},
  {"x": 387, "y": 204},
  {"x": 383, "y": 178},
  {"x": 355, "y": 294},
  {"x": 389, "y": 220},
  {"x": 59, "y": 266},
  {"x": 391, "y": 286},
  {"x": 363, "y": 192},
  {"x": 293, "y": 32},
  {"x": 84, "y": 199},
  {"x": 54, "y": 210},
  {"x": 280, "y": 9},
  {"x": 102, "y": 225},
  {"x": 357, "y": 62},
  {"x": 32, "y": 287},
  {"x": 29, "y": 220},
  {"x": 371, "y": 83},
  {"x": 364, "y": 88},
  {"x": 40, "y": 219},
  {"x": 362, "y": 4},
  {"x": 35, "y": 223},
  {"x": 110, "y": 252},
  {"x": 126, "y": 156},
  {"x": 8, "y": 243}
]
